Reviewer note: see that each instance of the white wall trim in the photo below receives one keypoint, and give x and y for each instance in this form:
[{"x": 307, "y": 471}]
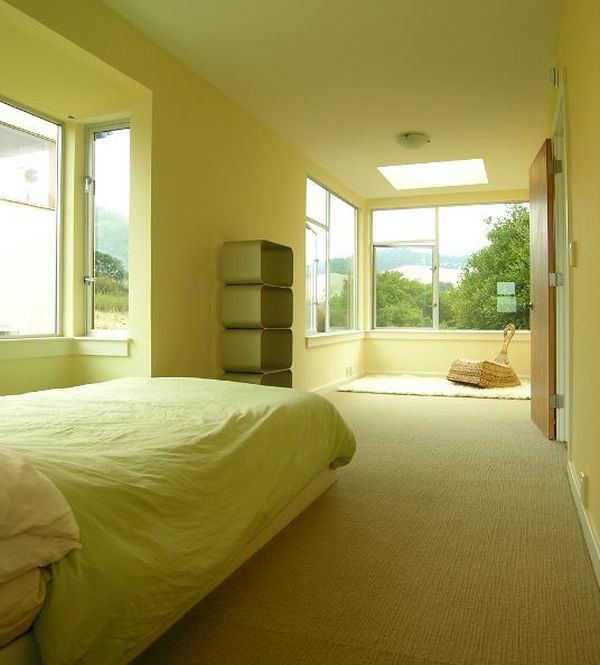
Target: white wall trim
[
  {"x": 101, "y": 346},
  {"x": 330, "y": 387},
  {"x": 48, "y": 347},
  {"x": 591, "y": 540},
  {"x": 452, "y": 335},
  {"x": 322, "y": 339}
]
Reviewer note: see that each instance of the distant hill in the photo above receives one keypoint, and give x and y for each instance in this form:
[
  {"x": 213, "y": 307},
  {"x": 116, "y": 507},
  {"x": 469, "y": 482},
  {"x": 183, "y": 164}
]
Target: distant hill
[
  {"x": 423, "y": 274},
  {"x": 395, "y": 257},
  {"x": 112, "y": 234}
]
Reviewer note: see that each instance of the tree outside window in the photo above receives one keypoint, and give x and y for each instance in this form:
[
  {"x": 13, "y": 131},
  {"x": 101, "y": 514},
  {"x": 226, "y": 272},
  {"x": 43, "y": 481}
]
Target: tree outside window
[{"x": 454, "y": 267}]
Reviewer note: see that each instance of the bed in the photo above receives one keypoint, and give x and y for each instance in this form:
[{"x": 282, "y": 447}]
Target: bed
[{"x": 173, "y": 483}]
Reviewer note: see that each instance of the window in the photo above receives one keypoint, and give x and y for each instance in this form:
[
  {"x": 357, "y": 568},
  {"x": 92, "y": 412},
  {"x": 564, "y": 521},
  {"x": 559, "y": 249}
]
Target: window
[
  {"x": 452, "y": 267},
  {"x": 330, "y": 261},
  {"x": 29, "y": 168},
  {"x": 107, "y": 186}
]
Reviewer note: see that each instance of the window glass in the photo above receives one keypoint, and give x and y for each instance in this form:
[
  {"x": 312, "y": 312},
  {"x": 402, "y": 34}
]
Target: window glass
[
  {"x": 475, "y": 276},
  {"x": 29, "y": 148},
  {"x": 318, "y": 296},
  {"x": 341, "y": 263},
  {"x": 109, "y": 229},
  {"x": 316, "y": 201},
  {"x": 409, "y": 224},
  {"x": 403, "y": 287},
  {"x": 330, "y": 261},
  {"x": 484, "y": 266},
  {"x": 310, "y": 272}
]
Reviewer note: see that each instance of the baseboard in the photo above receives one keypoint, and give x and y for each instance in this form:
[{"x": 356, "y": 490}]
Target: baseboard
[
  {"x": 591, "y": 539},
  {"x": 330, "y": 387}
]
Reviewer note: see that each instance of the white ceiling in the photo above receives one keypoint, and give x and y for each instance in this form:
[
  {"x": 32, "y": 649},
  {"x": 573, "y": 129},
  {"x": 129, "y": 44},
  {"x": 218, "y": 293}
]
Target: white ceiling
[{"x": 339, "y": 79}]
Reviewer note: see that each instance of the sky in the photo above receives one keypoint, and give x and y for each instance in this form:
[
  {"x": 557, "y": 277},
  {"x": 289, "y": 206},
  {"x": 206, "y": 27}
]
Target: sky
[
  {"x": 111, "y": 171},
  {"x": 462, "y": 229}
]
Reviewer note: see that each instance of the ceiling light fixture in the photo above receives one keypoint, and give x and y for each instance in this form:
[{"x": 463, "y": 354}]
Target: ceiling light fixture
[{"x": 412, "y": 140}]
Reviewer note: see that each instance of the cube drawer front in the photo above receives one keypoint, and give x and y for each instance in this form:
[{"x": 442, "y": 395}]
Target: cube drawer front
[
  {"x": 256, "y": 350},
  {"x": 257, "y": 262},
  {"x": 281, "y": 379},
  {"x": 256, "y": 306}
]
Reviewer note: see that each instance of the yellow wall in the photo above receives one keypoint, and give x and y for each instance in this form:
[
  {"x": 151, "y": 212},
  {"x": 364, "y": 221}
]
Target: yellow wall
[
  {"x": 435, "y": 355},
  {"x": 580, "y": 56},
  {"x": 212, "y": 174},
  {"x": 330, "y": 364},
  {"x": 49, "y": 74},
  {"x": 203, "y": 172},
  {"x": 27, "y": 374},
  {"x": 447, "y": 199}
]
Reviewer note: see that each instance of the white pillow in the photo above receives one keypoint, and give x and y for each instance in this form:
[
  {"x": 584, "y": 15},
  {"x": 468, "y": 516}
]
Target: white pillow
[
  {"x": 37, "y": 525},
  {"x": 20, "y": 601}
]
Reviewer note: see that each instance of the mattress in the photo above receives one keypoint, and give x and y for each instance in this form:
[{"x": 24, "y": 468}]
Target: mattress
[{"x": 168, "y": 479}]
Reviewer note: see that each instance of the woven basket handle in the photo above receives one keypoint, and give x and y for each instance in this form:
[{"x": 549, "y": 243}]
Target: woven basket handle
[{"x": 509, "y": 333}]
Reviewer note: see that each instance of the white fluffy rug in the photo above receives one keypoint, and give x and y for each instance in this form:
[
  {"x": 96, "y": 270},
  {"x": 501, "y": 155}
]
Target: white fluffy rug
[{"x": 427, "y": 384}]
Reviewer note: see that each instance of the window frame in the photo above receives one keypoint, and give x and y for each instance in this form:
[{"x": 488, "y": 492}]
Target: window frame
[
  {"x": 435, "y": 308},
  {"x": 58, "y": 213},
  {"x": 89, "y": 235},
  {"x": 326, "y": 226}
]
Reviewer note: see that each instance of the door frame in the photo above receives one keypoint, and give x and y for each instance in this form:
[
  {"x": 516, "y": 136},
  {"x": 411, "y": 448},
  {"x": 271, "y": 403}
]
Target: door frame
[{"x": 562, "y": 266}]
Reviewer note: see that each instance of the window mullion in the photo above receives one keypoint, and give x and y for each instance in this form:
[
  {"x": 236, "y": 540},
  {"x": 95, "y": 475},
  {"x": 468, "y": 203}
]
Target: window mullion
[
  {"x": 88, "y": 185},
  {"x": 327, "y": 244},
  {"x": 436, "y": 272}
]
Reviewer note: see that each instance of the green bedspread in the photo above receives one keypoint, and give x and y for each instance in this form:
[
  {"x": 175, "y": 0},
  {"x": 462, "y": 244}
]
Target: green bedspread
[{"x": 168, "y": 479}]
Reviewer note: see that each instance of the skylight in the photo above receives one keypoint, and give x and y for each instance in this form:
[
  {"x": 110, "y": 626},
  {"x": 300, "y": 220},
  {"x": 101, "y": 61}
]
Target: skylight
[{"x": 436, "y": 174}]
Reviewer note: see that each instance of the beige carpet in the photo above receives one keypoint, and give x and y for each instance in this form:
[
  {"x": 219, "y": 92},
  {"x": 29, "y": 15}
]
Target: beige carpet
[
  {"x": 427, "y": 384},
  {"x": 451, "y": 539}
]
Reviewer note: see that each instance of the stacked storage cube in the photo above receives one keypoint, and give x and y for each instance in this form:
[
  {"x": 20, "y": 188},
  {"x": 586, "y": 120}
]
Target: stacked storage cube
[{"x": 257, "y": 312}]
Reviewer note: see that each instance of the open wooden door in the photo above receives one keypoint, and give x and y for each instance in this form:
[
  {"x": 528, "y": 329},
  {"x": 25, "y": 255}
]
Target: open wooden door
[{"x": 543, "y": 316}]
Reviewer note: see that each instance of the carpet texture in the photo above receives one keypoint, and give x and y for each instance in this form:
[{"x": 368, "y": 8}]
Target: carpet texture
[
  {"x": 451, "y": 539},
  {"x": 423, "y": 384}
]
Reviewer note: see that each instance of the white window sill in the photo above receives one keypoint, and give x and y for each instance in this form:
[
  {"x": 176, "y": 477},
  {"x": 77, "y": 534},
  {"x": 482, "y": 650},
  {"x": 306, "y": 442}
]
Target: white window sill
[
  {"x": 47, "y": 347},
  {"x": 429, "y": 334},
  {"x": 321, "y": 339}
]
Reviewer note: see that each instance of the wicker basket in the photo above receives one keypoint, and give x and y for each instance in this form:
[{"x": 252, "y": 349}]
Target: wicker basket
[{"x": 486, "y": 373}]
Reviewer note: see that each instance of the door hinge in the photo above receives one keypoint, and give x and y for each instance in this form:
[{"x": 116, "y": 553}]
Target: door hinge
[
  {"x": 555, "y": 166},
  {"x": 557, "y": 401},
  {"x": 555, "y": 279},
  {"x": 88, "y": 184}
]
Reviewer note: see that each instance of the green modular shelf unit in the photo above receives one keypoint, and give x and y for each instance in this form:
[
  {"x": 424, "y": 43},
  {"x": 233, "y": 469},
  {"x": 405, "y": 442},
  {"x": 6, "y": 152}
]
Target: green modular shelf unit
[{"x": 257, "y": 312}]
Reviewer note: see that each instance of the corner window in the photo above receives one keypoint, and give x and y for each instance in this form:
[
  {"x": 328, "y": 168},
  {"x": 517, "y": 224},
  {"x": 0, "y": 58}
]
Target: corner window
[
  {"x": 451, "y": 267},
  {"x": 107, "y": 187},
  {"x": 330, "y": 261},
  {"x": 29, "y": 177}
]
